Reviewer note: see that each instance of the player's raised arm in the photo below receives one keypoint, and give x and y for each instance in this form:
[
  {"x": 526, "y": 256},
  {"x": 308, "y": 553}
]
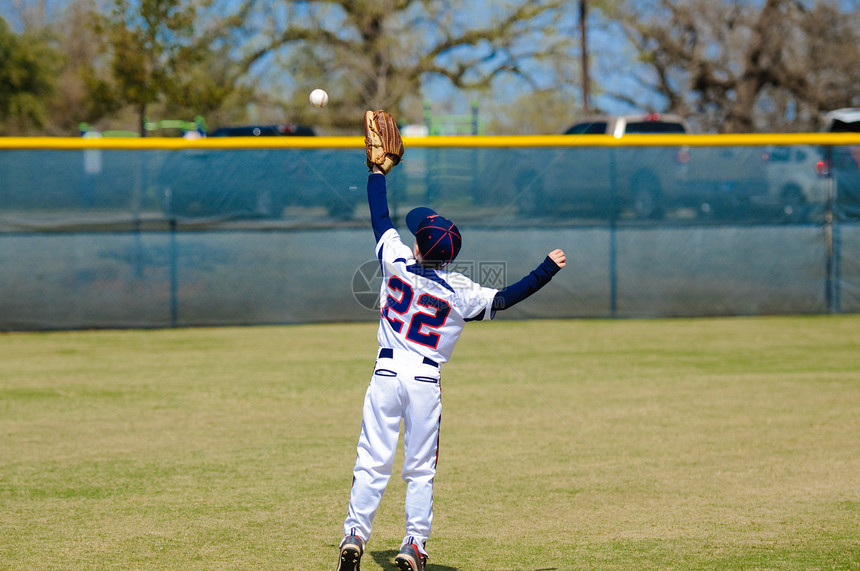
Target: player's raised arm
[
  {"x": 377, "y": 200},
  {"x": 384, "y": 149},
  {"x": 515, "y": 293}
]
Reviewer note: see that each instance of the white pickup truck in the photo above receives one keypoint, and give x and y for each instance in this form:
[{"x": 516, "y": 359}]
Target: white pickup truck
[{"x": 643, "y": 182}]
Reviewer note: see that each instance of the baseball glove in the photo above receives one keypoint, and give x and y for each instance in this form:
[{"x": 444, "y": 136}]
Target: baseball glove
[{"x": 382, "y": 141}]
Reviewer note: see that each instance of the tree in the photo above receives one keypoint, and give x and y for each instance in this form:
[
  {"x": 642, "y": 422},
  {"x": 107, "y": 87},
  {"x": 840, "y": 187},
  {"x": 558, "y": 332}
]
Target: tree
[
  {"x": 733, "y": 66},
  {"x": 142, "y": 42},
  {"x": 168, "y": 55},
  {"x": 27, "y": 15},
  {"x": 27, "y": 66},
  {"x": 75, "y": 100},
  {"x": 385, "y": 54},
  {"x": 64, "y": 28}
]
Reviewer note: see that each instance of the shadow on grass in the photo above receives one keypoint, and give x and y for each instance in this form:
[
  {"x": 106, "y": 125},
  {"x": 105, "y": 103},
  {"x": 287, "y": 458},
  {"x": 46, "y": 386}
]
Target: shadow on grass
[{"x": 385, "y": 559}]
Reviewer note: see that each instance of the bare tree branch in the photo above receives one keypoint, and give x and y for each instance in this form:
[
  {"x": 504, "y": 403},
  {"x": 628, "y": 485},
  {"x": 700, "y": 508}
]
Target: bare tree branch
[
  {"x": 385, "y": 50},
  {"x": 725, "y": 62}
]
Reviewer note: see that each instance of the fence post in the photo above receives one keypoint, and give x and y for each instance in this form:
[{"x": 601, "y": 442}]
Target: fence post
[
  {"x": 613, "y": 230},
  {"x": 831, "y": 239},
  {"x": 428, "y": 118},
  {"x": 174, "y": 281}
]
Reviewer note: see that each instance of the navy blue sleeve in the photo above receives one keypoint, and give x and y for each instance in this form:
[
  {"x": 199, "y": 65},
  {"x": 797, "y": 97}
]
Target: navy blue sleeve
[
  {"x": 515, "y": 293},
  {"x": 378, "y": 202}
]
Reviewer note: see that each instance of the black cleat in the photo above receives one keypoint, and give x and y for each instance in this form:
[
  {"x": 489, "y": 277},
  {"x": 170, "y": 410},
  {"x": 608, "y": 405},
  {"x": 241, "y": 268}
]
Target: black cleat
[
  {"x": 410, "y": 558},
  {"x": 351, "y": 550}
]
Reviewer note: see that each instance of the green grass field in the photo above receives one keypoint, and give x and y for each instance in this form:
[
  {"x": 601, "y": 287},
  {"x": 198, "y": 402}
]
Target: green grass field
[{"x": 641, "y": 444}]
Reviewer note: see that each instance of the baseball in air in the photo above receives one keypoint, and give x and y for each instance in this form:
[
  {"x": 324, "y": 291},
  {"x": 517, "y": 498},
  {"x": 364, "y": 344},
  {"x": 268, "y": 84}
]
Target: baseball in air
[{"x": 318, "y": 98}]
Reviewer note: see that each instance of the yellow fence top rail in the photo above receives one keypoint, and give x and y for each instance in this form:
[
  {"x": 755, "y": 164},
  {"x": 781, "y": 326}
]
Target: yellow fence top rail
[{"x": 174, "y": 143}]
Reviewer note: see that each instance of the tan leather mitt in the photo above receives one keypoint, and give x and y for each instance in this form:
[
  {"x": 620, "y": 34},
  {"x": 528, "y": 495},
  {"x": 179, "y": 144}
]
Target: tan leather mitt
[{"x": 382, "y": 140}]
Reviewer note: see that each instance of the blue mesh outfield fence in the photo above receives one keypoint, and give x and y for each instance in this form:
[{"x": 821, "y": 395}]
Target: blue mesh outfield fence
[{"x": 168, "y": 232}]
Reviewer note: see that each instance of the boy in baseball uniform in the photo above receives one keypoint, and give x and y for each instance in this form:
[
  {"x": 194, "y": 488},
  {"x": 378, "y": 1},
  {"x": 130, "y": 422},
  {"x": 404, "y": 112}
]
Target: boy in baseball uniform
[{"x": 423, "y": 310}]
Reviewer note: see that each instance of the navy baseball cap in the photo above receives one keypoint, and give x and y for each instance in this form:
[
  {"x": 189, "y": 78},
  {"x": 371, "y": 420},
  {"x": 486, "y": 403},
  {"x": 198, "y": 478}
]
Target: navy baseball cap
[{"x": 438, "y": 239}]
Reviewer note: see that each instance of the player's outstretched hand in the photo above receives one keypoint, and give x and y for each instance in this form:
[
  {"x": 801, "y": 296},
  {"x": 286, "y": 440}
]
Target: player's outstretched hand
[{"x": 558, "y": 257}]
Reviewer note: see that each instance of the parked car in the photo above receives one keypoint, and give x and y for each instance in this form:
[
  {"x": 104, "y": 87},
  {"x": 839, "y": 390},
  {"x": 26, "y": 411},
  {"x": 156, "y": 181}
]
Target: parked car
[
  {"x": 845, "y": 120},
  {"x": 260, "y": 182},
  {"x": 618, "y": 126},
  {"x": 602, "y": 181},
  {"x": 843, "y": 162},
  {"x": 796, "y": 180},
  {"x": 285, "y": 130},
  {"x": 640, "y": 181}
]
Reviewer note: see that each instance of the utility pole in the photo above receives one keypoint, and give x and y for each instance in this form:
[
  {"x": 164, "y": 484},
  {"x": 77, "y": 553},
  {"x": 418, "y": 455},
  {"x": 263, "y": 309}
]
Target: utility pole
[{"x": 583, "y": 12}]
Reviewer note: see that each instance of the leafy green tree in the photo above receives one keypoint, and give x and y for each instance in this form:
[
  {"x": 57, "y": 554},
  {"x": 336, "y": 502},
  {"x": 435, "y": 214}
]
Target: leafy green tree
[
  {"x": 143, "y": 42},
  {"x": 163, "y": 55},
  {"x": 27, "y": 67}
]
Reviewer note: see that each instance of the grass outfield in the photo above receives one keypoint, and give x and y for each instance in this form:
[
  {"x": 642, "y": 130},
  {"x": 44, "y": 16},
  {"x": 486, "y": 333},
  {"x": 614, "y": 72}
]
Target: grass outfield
[{"x": 643, "y": 444}]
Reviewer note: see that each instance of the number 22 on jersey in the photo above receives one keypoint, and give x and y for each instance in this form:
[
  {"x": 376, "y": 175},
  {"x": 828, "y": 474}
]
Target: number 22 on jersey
[{"x": 426, "y": 315}]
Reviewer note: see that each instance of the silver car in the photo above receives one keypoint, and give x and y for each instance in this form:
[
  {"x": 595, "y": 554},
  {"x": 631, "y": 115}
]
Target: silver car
[{"x": 796, "y": 180}]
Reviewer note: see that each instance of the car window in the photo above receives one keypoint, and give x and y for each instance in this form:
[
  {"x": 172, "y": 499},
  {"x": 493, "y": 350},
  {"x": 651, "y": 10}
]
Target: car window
[
  {"x": 779, "y": 155},
  {"x": 840, "y": 126},
  {"x": 263, "y": 131},
  {"x": 591, "y": 128},
  {"x": 655, "y": 127}
]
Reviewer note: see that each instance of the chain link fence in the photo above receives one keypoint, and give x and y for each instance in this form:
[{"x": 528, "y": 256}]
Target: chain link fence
[{"x": 167, "y": 233}]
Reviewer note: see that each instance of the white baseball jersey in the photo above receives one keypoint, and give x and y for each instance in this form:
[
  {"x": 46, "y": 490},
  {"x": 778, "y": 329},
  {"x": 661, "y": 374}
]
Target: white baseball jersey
[{"x": 424, "y": 310}]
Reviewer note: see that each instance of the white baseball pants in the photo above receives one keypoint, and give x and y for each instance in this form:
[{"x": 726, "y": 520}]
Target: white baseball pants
[{"x": 402, "y": 387}]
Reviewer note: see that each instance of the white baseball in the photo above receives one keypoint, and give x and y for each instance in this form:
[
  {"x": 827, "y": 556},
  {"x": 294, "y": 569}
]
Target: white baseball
[{"x": 318, "y": 98}]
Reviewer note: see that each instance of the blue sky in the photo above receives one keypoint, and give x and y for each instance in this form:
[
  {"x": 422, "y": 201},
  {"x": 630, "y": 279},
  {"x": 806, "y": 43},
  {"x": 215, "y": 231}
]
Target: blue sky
[{"x": 610, "y": 57}]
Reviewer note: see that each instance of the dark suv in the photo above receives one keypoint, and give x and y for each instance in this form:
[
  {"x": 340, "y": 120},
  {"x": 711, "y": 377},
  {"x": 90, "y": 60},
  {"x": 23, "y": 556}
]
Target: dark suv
[
  {"x": 260, "y": 182},
  {"x": 286, "y": 130}
]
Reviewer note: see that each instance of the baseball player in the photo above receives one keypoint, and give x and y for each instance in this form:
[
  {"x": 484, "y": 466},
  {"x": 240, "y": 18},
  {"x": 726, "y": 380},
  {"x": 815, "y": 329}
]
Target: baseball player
[{"x": 423, "y": 310}]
